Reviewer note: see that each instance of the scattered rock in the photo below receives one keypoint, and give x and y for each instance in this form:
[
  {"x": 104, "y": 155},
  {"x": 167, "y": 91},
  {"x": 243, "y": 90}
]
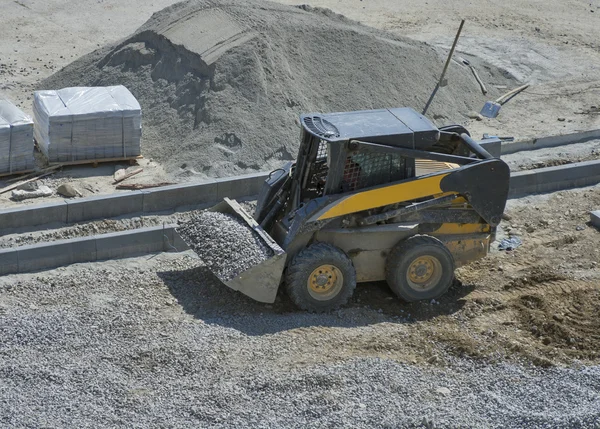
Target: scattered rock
[
  {"x": 41, "y": 191},
  {"x": 29, "y": 186},
  {"x": 474, "y": 115},
  {"x": 120, "y": 174},
  {"x": 444, "y": 391},
  {"x": 67, "y": 190}
]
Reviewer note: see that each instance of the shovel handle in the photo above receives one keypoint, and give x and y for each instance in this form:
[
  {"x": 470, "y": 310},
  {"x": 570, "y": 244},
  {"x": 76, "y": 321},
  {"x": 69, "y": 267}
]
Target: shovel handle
[{"x": 512, "y": 92}]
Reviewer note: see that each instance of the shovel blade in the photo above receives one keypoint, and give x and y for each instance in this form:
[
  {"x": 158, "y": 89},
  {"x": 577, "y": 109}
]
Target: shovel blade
[{"x": 490, "y": 109}]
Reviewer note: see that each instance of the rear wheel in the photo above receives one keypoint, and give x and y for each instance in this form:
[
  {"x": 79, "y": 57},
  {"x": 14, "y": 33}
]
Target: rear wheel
[
  {"x": 419, "y": 268},
  {"x": 320, "y": 278}
]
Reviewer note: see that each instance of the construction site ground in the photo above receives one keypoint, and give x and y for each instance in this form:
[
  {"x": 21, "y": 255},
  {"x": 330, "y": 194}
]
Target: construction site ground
[{"x": 157, "y": 341}]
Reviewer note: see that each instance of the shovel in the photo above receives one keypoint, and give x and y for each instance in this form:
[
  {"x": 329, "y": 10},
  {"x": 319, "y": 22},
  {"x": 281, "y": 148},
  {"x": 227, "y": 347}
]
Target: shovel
[{"x": 492, "y": 108}]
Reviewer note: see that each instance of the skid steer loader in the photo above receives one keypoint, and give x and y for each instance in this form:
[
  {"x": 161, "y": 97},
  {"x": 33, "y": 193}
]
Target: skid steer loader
[{"x": 373, "y": 195}]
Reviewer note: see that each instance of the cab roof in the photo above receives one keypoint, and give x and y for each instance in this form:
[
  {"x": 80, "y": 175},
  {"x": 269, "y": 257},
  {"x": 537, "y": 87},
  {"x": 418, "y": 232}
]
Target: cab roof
[{"x": 402, "y": 127}]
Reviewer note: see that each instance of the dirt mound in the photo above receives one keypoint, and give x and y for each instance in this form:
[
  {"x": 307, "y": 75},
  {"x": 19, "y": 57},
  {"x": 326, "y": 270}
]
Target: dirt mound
[{"x": 221, "y": 83}]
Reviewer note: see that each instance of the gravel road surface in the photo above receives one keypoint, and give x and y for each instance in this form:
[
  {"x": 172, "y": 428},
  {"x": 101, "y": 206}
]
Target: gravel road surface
[{"x": 156, "y": 342}]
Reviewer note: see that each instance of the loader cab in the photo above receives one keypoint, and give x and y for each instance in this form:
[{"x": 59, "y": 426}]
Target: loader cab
[
  {"x": 347, "y": 152},
  {"x": 331, "y": 159}
]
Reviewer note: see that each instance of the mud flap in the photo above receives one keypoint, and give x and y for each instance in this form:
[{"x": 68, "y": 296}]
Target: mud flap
[{"x": 261, "y": 281}]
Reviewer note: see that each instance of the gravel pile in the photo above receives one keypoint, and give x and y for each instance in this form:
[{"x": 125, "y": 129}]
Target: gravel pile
[
  {"x": 224, "y": 243},
  {"x": 222, "y": 82},
  {"x": 154, "y": 342}
]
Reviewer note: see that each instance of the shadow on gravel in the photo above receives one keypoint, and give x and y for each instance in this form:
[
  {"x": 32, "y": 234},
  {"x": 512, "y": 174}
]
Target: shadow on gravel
[{"x": 202, "y": 295}]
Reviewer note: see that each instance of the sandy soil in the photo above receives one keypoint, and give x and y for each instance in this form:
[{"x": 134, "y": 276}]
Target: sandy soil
[{"x": 553, "y": 46}]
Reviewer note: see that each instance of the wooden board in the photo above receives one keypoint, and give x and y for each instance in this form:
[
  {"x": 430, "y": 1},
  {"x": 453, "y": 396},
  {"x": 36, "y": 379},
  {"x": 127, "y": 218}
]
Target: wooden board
[
  {"x": 14, "y": 173},
  {"x": 95, "y": 162},
  {"x": 16, "y": 185}
]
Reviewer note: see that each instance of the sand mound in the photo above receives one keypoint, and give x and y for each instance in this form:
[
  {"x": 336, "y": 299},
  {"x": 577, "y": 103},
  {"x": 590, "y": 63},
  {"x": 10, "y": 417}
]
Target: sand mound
[{"x": 221, "y": 83}]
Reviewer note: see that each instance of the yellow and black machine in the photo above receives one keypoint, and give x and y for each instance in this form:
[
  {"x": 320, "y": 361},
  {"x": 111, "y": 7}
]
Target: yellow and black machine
[{"x": 373, "y": 195}]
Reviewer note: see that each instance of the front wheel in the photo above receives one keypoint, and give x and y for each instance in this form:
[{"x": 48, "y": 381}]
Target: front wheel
[
  {"x": 419, "y": 268},
  {"x": 320, "y": 278}
]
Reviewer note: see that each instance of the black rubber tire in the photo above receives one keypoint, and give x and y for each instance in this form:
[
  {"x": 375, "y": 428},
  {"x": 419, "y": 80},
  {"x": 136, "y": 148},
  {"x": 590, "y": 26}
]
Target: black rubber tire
[
  {"x": 302, "y": 266},
  {"x": 402, "y": 256}
]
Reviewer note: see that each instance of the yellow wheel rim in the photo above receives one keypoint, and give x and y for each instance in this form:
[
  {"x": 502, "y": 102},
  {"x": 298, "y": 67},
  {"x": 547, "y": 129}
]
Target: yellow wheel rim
[
  {"x": 424, "y": 273},
  {"x": 325, "y": 282}
]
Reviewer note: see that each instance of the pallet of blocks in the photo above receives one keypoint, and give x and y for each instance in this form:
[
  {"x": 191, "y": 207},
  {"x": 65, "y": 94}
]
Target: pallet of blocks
[
  {"x": 87, "y": 123},
  {"x": 16, "y": 140}
]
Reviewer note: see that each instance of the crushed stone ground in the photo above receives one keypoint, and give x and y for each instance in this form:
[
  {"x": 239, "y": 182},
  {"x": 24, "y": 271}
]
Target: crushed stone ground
[{"x": 154, "y": 342}]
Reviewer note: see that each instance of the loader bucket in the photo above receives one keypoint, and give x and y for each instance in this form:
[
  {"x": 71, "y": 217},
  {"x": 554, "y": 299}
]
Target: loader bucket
[{"x": 261, "y": 281}]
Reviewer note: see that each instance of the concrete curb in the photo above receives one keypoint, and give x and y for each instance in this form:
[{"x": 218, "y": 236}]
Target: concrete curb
[
  {"x": 204, "y": 194},
  {"x": 552, "y": 179},
  {"x": 144, "y": 241},
  {"x": 551, "y": 141},
  {"x": 125, "y": 244},
  {"x": 173, "y": 197}
]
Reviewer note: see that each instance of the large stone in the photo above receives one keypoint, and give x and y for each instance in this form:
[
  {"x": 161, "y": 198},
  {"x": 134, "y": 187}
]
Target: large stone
[
  {"x": 42, "y": 191},
  {"x": 67, "y": 190}
]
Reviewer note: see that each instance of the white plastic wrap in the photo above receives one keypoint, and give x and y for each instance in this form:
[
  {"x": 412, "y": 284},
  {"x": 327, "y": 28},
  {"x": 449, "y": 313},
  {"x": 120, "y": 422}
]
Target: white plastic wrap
[
  {"x": 87, "y": 123},
  {"x": 16, "y": 139}
]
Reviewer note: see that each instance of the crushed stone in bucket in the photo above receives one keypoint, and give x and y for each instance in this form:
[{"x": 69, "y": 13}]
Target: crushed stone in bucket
[{"x": 226, "y": 244}]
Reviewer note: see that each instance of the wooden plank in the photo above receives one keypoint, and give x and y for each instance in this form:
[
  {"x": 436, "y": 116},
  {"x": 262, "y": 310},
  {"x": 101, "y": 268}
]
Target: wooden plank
[
  {"x": 34, "y": 173},
  {"x": 14, "y": 173},
  {"x": 138, "y": 186},
  {"x": 16, "y": 185},
  {"x": 96, "y": 161}
]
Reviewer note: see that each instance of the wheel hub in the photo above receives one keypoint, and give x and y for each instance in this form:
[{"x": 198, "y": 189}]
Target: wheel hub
[
  {"x": 424, "y": 272},
  {"x": 421, "y": 269},
  {"x": 325, "y": 282},
  {"x": 321, "y": 280}
]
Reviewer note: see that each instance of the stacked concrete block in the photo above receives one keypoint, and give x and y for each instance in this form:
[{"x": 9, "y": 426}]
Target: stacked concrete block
[
  {"x": 81, "y": 123},
  {"x": 16, "y": 139}
]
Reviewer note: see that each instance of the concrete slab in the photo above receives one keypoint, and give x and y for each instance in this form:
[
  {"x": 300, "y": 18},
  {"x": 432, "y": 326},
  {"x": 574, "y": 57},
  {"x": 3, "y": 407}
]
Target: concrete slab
[
  {"x": 550, "y": 141},
  {"x": 240, "y": 186},
  {"x": 177, "y": 196},
  {"x": 552, "y": 179},
  {"x": 104, "y": 206},
  {"x": 56, "y": 254},
  {"x": 493, "y": 146},
  {"x": 173, "y": 241},
  {"x": 41, "y": 214},
  {"x": 595, "y": 218},
  {"x": 130, "y": 243},
  {"x": 9, "y": 262}
]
